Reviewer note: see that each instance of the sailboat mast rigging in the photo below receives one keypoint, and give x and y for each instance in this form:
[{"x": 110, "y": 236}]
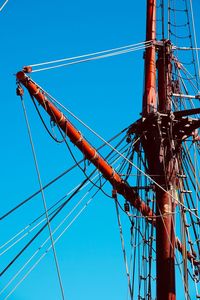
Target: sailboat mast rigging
[{"x": 161, "y": 202}]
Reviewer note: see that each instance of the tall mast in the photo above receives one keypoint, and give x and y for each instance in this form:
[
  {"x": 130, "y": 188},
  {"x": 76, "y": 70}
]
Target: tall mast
[
  {"x": 162, "y": 161},
  {"x": 149, "y": 98},
  {"x": 161, "y": 132}
]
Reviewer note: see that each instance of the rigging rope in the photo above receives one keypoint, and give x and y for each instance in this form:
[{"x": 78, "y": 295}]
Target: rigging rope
[
  {"x": 123, "y": 246},
  {"x": 47, "y": 250},
  {"x": 44, "y": 254},
  {"x": 29, "y": 231},
  {"x": 91, "y": 57},
  {"x": 195, "y": 38},
  {"x": 43, "y": 198},
  {"x": 108, "y": 144},
  {"x": 44, "y": 226},
  {"x": 89, "y": 54},
  {"x": 56, "y": 178},
  {"x": 3, "y": 5}
]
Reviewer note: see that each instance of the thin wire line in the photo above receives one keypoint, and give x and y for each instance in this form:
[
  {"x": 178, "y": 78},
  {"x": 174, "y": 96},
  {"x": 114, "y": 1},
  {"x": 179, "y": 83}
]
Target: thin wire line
[
  {"x": 44, "y": 226},
  {"x": 89, "y": 54},
  {"x": 123, "y": 247},
  {"x": 29, "y": 231},
  {"x": 43, "y": 198},
  {"x": 185, "y": 48},
  {"x": 38, "y": 224},
  {"x": 4, "y": 4},
  {"x": 113, "y": 148},
  {"x": 57, "y": 178},
  {"x": 108, "y": 144},
  {"x": 44, "y": 254},
  {"x": 92, "y": 58},
  {"x": 195, "y": 38},
  {"x": 21, "y": 269},
  {"x": 56, "y": 229}
]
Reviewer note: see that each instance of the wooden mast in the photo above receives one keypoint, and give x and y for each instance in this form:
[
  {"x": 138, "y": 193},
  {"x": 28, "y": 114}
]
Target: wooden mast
[
  {"x": 161, "y": 161},
  {"x": 155, "y": 128},
  {"x": 87, "y": 149},
  {"x": 149, "y": 98}
]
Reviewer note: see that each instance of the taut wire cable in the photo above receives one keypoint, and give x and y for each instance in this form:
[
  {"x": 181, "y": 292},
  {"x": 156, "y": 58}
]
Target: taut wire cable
[
  {"x": 113, "y": 148},
  {"x": 43, "y": 198},
  {"x": 3, "y": 5}
]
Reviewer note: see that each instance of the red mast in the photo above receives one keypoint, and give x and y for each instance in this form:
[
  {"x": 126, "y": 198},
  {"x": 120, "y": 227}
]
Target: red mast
[
  {"x": 155, "y": 128},
  {"x": 162, "y": 161},
  {"x": 149, "y": 98}
]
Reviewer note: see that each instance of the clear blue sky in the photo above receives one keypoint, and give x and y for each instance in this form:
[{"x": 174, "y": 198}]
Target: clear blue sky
[{"x": 105, "y": 94}]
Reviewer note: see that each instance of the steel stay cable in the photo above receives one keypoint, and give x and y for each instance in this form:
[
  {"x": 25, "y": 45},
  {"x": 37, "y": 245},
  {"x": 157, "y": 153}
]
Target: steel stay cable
[
  {"x": 123, "y": 246},
  {"x": 101, "y": 138},
  {"x": 29, "y": 231},
  {"x": 41, "y": 229},
  {"x": 91, "y": 59},
  {"x": 191, "y": 249},
  {"x": 35, "y": 220},
  {"x": 68, "y": 147},
  {"x": 129, "y": 50},
  {"x": 3, "y": 5},
  {"x": 89, "y": 54},
  {"x": 43, "y": 199},
  {"x": 107, "y": 143},
  {"x": 39, "y": 248},
  {"x": 44, "y": 226},
  {"x": 21, "y": 231},
  {"x": 62, "y": 222},
  {"x": 184, "y": 48},
  {"x": 55, "y": 179},
  {"x": 195, "y": 39},
  {"x": 37, "y": 251},
  {"x": 30, "y": 224},
  {"x": 45, "y": 253},
  {"x": 33, "y": 228},
  {"x": 189, "y": 77},
  {"x": 43, "y": 244}
]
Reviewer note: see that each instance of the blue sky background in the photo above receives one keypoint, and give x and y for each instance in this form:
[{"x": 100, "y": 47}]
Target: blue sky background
[{"x": 105, "y": 94}]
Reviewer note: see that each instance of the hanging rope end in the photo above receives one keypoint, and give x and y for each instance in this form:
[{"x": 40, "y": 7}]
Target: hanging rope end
[{"x": 19, "y": 91}]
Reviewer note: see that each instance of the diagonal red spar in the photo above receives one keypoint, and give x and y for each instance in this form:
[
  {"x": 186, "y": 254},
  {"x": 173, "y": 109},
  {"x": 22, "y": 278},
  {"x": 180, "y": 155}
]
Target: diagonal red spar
[
  {"x": 89, "y": 151},
  {"x": 92, "y": 155}
]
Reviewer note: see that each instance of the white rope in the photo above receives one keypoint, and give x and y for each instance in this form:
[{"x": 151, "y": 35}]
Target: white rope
[
  {"x": 38, "y": 224},
  {"x": 4, "y": 4},
  {"x": 55, "y": 241},
  {"x": 93, "y": 58},
  {"x": 43, "y": 199},
  {"x": 189, "y": 77},
  {"x": 195, "y": 38},
  {"x": 29, "y": 225},
  {"x": 123, "y": 247},
  {"x": 185, "y": 48},
  {"x": 43, "y": 244},
  {"x": 113, "y": 148},
  {"x": 89, "y": 54},
  {"x": 44, "y": 254}
]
